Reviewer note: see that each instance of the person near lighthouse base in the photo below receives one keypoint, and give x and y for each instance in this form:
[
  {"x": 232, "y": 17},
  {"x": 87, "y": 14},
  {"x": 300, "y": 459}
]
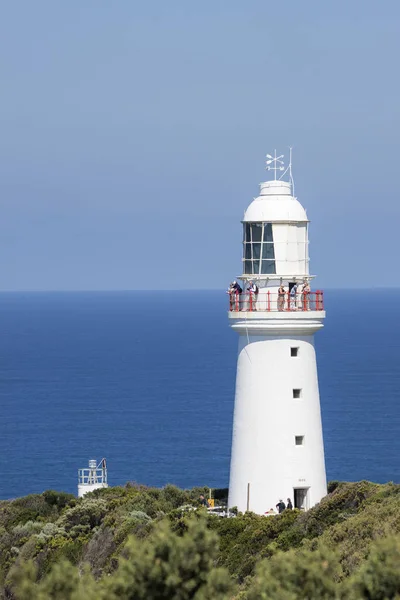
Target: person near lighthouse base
[{"x": 280, "y": 506}]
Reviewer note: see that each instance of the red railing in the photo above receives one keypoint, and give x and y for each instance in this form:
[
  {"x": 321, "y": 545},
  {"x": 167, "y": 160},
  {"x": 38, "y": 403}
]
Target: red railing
[{"x": 273, "y": 302}]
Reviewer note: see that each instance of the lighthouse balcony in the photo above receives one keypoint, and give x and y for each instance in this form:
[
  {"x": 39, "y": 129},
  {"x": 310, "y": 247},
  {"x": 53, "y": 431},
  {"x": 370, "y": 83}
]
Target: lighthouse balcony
[{"x": 271, "y": 301}]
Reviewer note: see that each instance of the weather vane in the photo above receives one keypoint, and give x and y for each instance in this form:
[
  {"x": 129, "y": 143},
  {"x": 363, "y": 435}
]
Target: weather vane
[{"x": 274, "y": 163}]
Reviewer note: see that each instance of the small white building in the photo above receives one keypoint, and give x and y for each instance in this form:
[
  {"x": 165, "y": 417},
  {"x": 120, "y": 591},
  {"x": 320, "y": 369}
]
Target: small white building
[
  {"x": 277, "y": 445},
  {"x": 92, "y": 478}
]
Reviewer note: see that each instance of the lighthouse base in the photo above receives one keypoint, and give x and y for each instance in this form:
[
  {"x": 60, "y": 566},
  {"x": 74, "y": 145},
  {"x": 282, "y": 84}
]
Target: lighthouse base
[{"x": 277, "y": 445}]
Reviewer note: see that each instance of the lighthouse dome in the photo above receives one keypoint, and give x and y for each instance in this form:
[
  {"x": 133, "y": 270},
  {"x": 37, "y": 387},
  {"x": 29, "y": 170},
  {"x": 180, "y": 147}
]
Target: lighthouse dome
[{"x": 275, "y": 204}]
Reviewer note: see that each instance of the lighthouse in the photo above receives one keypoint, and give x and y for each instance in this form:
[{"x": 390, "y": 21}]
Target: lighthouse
[
  {"x": 277, "y": 442},
  {"x": 92, "y": 478}
]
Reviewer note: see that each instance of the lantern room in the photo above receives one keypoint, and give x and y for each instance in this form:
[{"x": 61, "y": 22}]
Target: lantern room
[{"x": 275, "y": 235}]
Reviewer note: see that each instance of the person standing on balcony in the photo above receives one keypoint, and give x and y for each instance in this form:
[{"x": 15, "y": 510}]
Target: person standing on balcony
[
  {"x": 292, "y": 294},
  {"x": 281, "y": 297},
  {"x": 253, "y": 291},
  {"x": 305, "y": 292},
  {"x": 235, "y": 290},
  {"x": 231, "y": 293}
]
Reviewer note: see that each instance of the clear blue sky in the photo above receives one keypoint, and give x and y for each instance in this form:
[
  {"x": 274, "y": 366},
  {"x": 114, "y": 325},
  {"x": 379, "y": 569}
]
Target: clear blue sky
[{"x": 133, "y": 136}]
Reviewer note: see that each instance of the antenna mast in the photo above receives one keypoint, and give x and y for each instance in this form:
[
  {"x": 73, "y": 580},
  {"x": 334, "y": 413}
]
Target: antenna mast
[{"x": 290, "y": 169}]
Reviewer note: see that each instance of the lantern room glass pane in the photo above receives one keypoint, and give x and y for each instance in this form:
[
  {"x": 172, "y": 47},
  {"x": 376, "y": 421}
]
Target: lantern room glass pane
[
  {"x": 247, "y": 267},
  {"x": 256, "y": 232},
  {"x": 268, "y": 251},
  {"x": 256, "y": 251},
  {"x": 268, "y": 267},
  {"x": 268, "y": 232}
]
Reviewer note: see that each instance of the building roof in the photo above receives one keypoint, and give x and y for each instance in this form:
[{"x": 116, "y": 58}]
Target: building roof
[{"x": 275, "y": 204}]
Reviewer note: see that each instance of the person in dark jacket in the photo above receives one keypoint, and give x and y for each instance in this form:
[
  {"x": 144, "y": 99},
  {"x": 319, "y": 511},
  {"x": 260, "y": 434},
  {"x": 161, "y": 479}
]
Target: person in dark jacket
[
  {"x": 203, "y": 501},
  {"x": 289, "y": 504},
  {"x": 280, "y": 506},
  {"x": 235, "y": 290}
]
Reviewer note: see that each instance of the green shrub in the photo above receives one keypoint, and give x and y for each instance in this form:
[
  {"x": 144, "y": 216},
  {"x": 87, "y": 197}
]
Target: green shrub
[
  {"x": 156, "y": 530},
  {"x": 352, "y": 537},
  {"x": 167, "y": 567},
  {"x": 379, "y": 576},
  {"x": 172, "y": 497},
  {"x": 296, "y": 575},
  {"x": 332, "y": 485},
  {"x": 88, "y": 512},
  {"x": 28, "y": 528},
  {"x": 59, "y": 499},
  {"x": 29, "y": 508},
  {"x": 99, "y": 550}
]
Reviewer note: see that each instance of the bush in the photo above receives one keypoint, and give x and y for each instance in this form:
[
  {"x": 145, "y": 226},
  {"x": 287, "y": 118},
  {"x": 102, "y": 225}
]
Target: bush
[
  {"x": 58, "y": 499},
  {"x": 27, "y": 528},
  {"x": 247, "y": 538},
  {"x": 172, "y": 497},
  {"x": 137, "y": 537},
  {"x": 99, "y": 550},
  {"x": 296, "y": 575},
  {"x": 379, "y": 577},
  {"x": 29, "y": 508},
  {"x": 332, "y": 485},
  {"x": 352, "y": 537},
  {"x": 88, "y": 512},
  {"x": 167, "y": 567}
]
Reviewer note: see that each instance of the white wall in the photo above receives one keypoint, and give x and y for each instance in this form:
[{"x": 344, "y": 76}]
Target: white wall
[
  {"x": 290, "y": 244},
  {"x": 267, "y": 418},
  {"x": 86, "y": 488}
]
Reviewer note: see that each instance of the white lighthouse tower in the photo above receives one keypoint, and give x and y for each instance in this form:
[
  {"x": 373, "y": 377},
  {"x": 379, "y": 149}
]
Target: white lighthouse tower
[{"x": 277, "y": 444}]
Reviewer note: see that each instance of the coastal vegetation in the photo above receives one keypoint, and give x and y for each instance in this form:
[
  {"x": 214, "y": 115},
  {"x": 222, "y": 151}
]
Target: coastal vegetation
[{"x": 137, "y": 543}]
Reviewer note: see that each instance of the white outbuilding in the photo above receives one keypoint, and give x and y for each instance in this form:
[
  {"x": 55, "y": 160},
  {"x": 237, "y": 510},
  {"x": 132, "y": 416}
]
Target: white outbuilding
[
  {"x": 93, "y": 477},
  {"x": 277, "y": 444}
]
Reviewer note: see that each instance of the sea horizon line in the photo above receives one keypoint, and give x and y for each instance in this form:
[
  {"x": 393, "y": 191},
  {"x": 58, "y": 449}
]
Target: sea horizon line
[{"x": 147, "y": 290}]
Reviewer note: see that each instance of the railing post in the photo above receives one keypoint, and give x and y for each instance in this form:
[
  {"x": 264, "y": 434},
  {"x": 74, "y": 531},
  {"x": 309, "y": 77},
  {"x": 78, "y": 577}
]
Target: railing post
[
  {"x": 269, "y": 301},
  {"x": 236, "y": 301},
  {"x": 251, "y": 301},
  {"x": 320, "y": 300},
  {"x": 288, "y": 300},
  {"x": 319, "y": 305}
]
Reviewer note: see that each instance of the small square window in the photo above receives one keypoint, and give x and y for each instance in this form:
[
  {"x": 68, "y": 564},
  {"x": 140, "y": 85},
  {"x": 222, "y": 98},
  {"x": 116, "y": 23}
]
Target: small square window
[
  {"x": 294, "y": 351},
  {"x": 299, "y": 440},
  {"x": 297, "y": 393}
]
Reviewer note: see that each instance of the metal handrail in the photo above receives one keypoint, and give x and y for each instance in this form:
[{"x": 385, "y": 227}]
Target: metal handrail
[
  {"x": 93, "y": 474},
  {"x": 274, "y": 302}
]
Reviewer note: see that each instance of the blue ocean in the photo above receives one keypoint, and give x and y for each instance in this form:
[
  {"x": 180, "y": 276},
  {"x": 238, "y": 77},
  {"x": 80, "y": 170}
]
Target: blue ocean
[{"x": 146, "y": 379}]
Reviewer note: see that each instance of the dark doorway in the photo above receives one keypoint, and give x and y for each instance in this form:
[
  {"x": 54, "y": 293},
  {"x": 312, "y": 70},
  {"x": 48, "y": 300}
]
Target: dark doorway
[{"x": 301, "y": 498}]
